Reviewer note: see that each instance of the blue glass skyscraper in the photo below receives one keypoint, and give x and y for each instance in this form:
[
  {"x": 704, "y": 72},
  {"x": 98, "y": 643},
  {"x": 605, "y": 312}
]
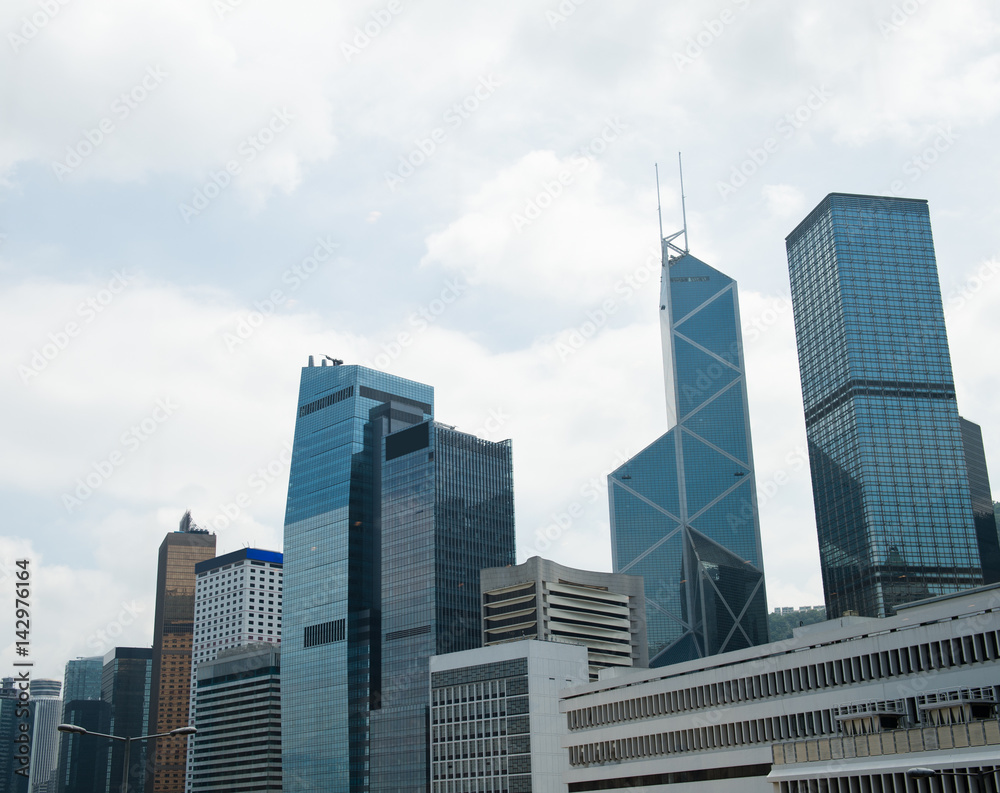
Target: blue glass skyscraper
[
  {"x": 446, "y": 512},
  {"x": 684, "y": 509},
  {"x": 890, "y": 484},
  {"x": 330, "y": 642}
]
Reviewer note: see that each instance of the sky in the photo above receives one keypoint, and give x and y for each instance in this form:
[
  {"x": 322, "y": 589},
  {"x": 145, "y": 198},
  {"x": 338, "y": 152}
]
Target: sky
[{"x": 195, "y": 196}]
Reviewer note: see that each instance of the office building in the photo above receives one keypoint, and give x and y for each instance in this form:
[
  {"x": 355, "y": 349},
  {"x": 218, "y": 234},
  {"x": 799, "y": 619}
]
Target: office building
[
  {"x": 14, "y": 721},
  {"x": 330, "y": 655},
  {"x": 445, "y": 511},
  {"x": 82, "y": 761},
  {"x": 238, "y": 715},
  {"x": 858, "y": 700},
  {"x": 890, "y": 483},
  {"x": 125, "y": 686},
  {"x": 604, "y": 612},
  {"x": 46, "y": 707},
  {"x": 237, "y": 602},
  {"x": 495, "y": 721},
  {"x": 987, "y": 531},
  {"x": 684, "y": 509},
  {"x": 173, "y": 632},
  {"x": 80, "y": 769}
]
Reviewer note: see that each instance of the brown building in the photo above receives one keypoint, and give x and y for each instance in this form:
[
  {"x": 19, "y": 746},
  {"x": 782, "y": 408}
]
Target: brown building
[{"x": 173, "y": 631}]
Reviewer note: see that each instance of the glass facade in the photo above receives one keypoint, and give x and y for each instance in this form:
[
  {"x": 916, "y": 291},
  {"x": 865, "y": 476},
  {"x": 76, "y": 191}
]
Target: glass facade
[
  {"x": 684, "y": 510},
  {"x": 330, "y": 648},
  {"x": 173, "y": 632},
  {"x": 890, "y": 485},
  {"x": 125, "y": 686},
  {"x": 446, "y": 512},
  {"x": 982, "y": 501}
]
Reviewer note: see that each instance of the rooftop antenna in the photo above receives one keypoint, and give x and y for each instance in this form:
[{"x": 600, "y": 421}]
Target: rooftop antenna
[
  {"x": 684, "y": 215},
  {"x": 669, "y": 240}
]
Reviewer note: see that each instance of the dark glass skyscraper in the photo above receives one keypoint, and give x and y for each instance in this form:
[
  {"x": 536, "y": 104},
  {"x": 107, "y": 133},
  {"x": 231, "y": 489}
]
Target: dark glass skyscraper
[
  {"x": 446, "y": 512},
  {"x": 684, "y": 509},
  {"x": 982, "y": 500},
  {"x": 890, "y": 484},
  {"x": 330, "y": 648},
  {"x": 125, "y": 686}
]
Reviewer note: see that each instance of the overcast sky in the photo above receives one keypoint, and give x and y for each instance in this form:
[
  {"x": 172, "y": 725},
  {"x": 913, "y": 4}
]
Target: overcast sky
[{"x": 196, "y": 195}]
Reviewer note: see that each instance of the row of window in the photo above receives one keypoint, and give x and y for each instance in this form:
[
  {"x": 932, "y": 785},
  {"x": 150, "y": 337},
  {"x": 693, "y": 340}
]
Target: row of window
[
  {"x": 958, "y": 651},
  {"x": 697, "y": 739}
]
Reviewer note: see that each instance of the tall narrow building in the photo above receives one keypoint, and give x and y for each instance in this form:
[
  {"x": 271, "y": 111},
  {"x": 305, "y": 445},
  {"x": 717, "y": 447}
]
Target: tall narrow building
[
  {"x": 987, "y": 531},
  {"x": 125, "y": 685},
  {"x": 684, "y": 509},
  {"x": 446, "y": 511},
  {"x": 46, "y": 707},
  {"x": 237, "y": 602},
  {"x": 890, "y": 483},
  {"x": 330, "y": 653},
  {"x": 173, "y": 632},
  {"x": 81, "y": 769}
]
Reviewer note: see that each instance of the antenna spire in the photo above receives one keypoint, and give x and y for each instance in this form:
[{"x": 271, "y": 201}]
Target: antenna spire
[
  {"x": 680, "y": 168},
  {"x": 668, "y": 242}
]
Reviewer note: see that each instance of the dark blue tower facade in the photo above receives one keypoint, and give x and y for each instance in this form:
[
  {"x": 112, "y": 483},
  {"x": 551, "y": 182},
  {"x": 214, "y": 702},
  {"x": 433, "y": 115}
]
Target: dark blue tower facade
[
  {"x": 446, "y": 512},
  {"x": 890, "y": 484},
  {"x": 330, "y": 642},
  {"x": 684, "y": 509}
]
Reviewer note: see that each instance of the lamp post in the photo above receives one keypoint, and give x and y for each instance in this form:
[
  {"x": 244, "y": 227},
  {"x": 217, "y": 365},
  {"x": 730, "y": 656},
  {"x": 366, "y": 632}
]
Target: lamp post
[
  {"x": 928, "y": 773},
  {"x": 74, "y": 729}
]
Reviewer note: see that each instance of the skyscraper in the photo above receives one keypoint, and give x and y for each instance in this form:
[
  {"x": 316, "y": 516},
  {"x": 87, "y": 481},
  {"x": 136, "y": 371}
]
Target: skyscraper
[
  {"x": 987, "y": 532},
  {"x": 446, "y": 510},
  {"x": 173, "y": 629},
  {"x": 47, "y": 710},
  {"x": 684, "y": 509},
  {"x": 237, "y": 602},
  {"x": 81, "y": 769},
  {"x": 125, "y": 686},
  {"x": 330, "y": 661},
  {"x": 14, "y": 721},
  {"x": 890, "y": 483}
]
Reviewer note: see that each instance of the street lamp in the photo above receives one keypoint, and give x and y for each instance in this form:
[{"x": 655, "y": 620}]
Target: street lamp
[
  {"x": 928, "y": 773},
  {"x": 76, "y": 730}
]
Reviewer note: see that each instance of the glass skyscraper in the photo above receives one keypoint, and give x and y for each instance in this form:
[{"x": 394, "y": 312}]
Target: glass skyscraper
[
  {"x": 125, "y": 686},
  {"x": 330, "y": 649},
  {"x": 684, "y": 509},
  {"x": 890, "y": 483},
  {"x": 446, "y": 512}
]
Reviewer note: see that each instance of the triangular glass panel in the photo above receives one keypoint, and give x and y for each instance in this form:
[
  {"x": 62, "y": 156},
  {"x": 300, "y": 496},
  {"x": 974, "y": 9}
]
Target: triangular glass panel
[
  {"x": 699, "y": 375},
  {"x": 723, "y": 422}
]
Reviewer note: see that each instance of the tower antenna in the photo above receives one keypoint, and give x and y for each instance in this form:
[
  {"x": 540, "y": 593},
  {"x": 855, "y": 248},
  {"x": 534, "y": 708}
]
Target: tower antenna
[
  {"x": 684, "y": 216},
  {"x": 668, "y": 242},
  {"x": 659, "y": 214}
]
